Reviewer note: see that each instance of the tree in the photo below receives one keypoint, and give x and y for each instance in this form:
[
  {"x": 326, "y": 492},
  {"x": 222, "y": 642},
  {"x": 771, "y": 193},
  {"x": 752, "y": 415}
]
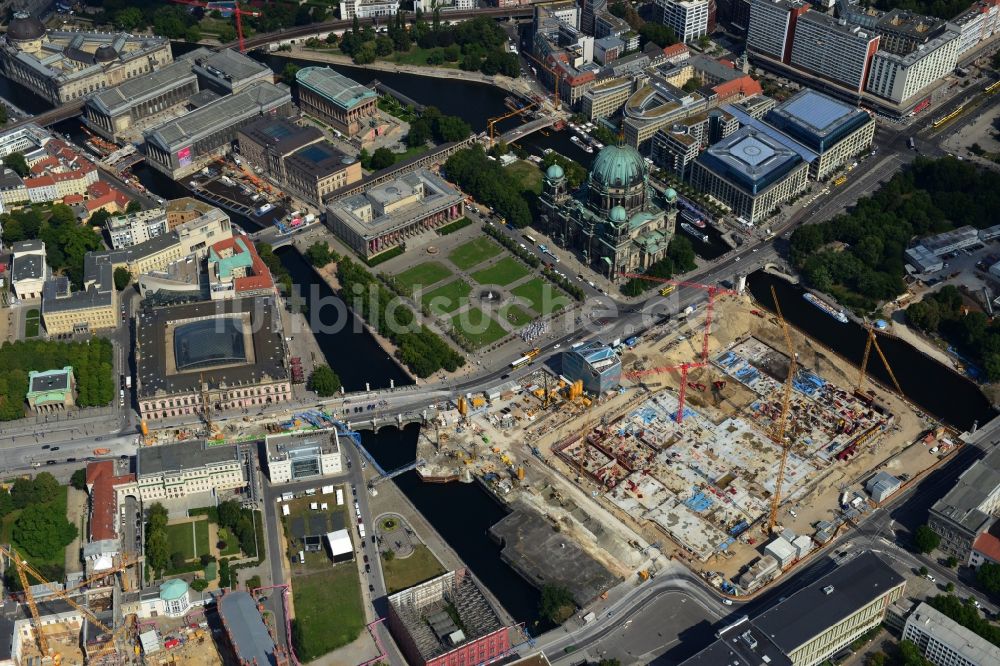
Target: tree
[
  {"x": 6, "y": 502},
  {"x": 661, "y": 35},
  {"x": 988, "y": 577},
  {"x": 556, "y": 604},
  {"x": 199, "y": 585},
  {"x": 365, "y": 55},
  {"x": 288, "y": 74},
  {"x": 320, "y": 255},
  {"x": 205, "y": 559},
  {"x": 40, "y": 490},
  {"x": 952, "y": 561},
  {"x": 129, "y": 19},
  {"x": 382, "y": 158},
  {"x": 331, "y": 39},
  {"x": 876, "y": 659},
  {"x": 922, "y": 570},
  {"x": 324, "y": 381},
  {"x": 950, "y": 587},
  {"x": 383, "y": 46},
  {"x": 227, "y": 33},
  {"x": 16, "y": 162},
  {"x": 692, "y": 84},
  {"x": 388, "y": 555},
  {"x": 925, "y": 539},
  {"x": 3, "y": 114},
  {"x": 134, "y": 206},
  {"x": 177, "y": 560},
  {"x": 42, "y": 532},
  {"x": 122, "y": 278},
  {"x": 79, "y": 479}
]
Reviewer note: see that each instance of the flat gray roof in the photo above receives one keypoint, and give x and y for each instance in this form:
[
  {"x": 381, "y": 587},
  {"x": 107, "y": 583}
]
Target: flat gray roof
[
  {"x": 172, "y": 458},
  {"x": 223, "y": 112},
  {"x": 962, "y": 503},
  {"x": 53, "y": 380},
  {"x": 811, "y": 611},
  {"x": 26, "y": 267},
  {"x": 278, "y": 446},
  {"x": 230, "y": 66},
  {"x": 970, "y": 645},
  {"x": 247, "y": 631},
  {"x": 121, "y": 98}
]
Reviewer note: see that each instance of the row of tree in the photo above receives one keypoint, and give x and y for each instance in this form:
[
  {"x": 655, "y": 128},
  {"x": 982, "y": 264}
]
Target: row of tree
[
  {"x": 944, "y": 313},
  {"x": 489, "y": 183},
  {"x": 858, "y": 256},
  {"x": 92, "y": 369},
  {"x": 417, "y": 347},
  {"x": 679, "y": 259}
]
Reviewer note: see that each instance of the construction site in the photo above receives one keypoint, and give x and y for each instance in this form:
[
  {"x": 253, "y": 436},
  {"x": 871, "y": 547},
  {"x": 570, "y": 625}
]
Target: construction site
[{"x": 734, "y": 443}]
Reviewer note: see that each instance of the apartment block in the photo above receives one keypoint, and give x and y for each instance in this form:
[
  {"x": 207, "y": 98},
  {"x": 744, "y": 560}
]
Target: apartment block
[
  {"x": 832, "y": 49},
  {"x": 900, "y": 77}
]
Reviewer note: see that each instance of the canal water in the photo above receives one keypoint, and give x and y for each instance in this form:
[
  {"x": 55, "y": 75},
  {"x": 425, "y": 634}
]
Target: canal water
[{"x": 941, "y": 392}]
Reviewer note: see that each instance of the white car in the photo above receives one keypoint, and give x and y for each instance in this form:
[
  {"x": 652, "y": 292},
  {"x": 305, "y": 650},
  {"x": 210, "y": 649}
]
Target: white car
[{"x": 727, "y": 602}]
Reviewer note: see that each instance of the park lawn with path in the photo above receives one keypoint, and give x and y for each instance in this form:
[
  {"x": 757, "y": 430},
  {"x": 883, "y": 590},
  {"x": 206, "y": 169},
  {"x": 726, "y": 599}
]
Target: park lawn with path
[
  {"x": 474, "y": 252},
  {"x": 477, "y": 327},
  {"x": 401, "y": 573},
  {"x": 527, "y": 175},
  {"x": 189, "y": 539},
  {"x": 328, "y": 606},
  {"x": 422, "y": 275},
  {"x": 32, "y": 320},
  {"x": 452, "y": 296},
  {"x": 516, "y": 316},
  {"x": 58, "y": 506},
  {"x": 503, "y": 272},
  {"x": 534, "y": 292}
]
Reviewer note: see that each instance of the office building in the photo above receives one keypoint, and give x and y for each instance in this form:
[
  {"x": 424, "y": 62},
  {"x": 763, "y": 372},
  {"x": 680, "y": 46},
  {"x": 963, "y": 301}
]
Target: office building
[
  {"x": 944, "y": 642},
  {"x": 428, "y": 6},
  {"x": 345, "y": 105},
  {"x": 772, "y": 27},
  {"x": 811, "y": 625},
  {"x": 366, "y": 9},
  {"x": 832, "y": 49},
  {"x": 447, "y": 620},
  {"x": 613, "y": 219},
  {"x": 596, "y": 364},
  {"x": 183, "y": 146},
  {"x": 67, "y": 65},
  {"x": 28, "y": 269},
  {"x": 134, "y": 228},
  {"x": 976, "y": 24},
  {"x": 902, "y": 31},
  {"x": 267, "y": 142},
  {"x": 227, "y": 72},
  {"x": 676, "y": 147},
  {"x": 904, "y": 77},
  {"x": 297, "y": 456},
  {"x": 90, "y": 309},
  {"x": 969, "y": 508},
  {"x": 51, "y": 390},
  {"x": 318, "y": 169},
  {"x": 607, "y": 49},
  {"x": 387, "y": 215},
  {"x": 687, "y": 18},
  {"x": 235, "y": 270},
  {"x": 115, "y": 112},
  {"x": 752, "y": 172},
  {"x": 174, "y": 471},
  {"x": 27, "y": 140},
  {"x": 230, "y": 353},
  {"x": 606, "y": 98},
  {"x": 247, "y": 637},
  {"x": 835, "y": 131}
]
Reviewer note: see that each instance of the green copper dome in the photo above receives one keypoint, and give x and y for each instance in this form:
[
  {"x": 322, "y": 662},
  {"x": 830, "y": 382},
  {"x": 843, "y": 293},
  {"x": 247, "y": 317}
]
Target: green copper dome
[
  {"x": 554, "y": 172},
  {"x": 670, "y": 194},
  {"x": 174, "y": 588},
  {"x": 618, "y": 214},
  {"x": 618, "y": 166}
]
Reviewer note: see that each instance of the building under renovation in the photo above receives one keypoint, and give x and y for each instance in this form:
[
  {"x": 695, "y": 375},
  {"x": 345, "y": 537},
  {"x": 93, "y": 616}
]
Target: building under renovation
[
  {"x": 247, "y": 635},
  {"x": 423, "y": 622}
]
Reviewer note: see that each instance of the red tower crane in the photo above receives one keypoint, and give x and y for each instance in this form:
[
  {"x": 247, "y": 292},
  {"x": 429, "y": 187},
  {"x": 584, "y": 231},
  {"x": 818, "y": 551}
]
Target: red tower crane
[
  {"x": 712, "y": 290},
  {"x": 682, "y": 393},
  {"x": 237, "y": 12}
]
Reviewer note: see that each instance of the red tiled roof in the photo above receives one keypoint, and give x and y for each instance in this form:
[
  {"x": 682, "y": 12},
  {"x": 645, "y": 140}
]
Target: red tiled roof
[
  {"x": 41, "y": 165},
  {"x": 71, "y": 199},
  {"x": 726, "y": 62},
  {"x": 744, "y": 86},
  {"x": 261, "y": 278},
  {"x": 98, "y": 189},
  {"x": 115, "y": 196},
  {"x": 675, "y": 50},
  {"x": 988, "y": 545},
  {"x": 101, "y": 482}
]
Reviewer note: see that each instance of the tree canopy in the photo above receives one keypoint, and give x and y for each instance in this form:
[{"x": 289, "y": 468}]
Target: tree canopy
[
  {"x": 925, "y": 539},
  {"x": 489, "y": 183},
  {"x": 556, "y": 604},
  {"x": 988, "y": 577},
  {"x": 91, "y": 363},
  {"x": 319, "y": 254},
  {"x": 42, "y": 532},
  {"x": 17, "y": 163},
  {"x": 858, "y": 256},
  {"x": 944, "y": 312},
  {"x": 679, "y": 259},
  {"x": 324, "y": 381},
  {"x": 122, "y": 278}
]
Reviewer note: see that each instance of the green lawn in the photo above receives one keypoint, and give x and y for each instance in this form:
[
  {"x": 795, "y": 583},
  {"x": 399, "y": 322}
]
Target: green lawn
[
  {"x": 418, "y": 567},
  {"x": 542, "y": 297},
  {"x": 232, "y": 543},
  {"x": 422, "y": 275},
  {"x": 32, "y": 320},
  {"x": 417, "y": 56},
  {"x": 191, "y": 539},
  {"x": 528, "y": 175},
  {"x": 474, "y": 252},
  {"x": 477, "y": 327},
  {"x": 58, "y": 506},
  {"x": 503, "y": 272},
  {"x": 328, "y": 609},
  {"x": 517, "y": 315},
  {"x": 449, "y": 297}
]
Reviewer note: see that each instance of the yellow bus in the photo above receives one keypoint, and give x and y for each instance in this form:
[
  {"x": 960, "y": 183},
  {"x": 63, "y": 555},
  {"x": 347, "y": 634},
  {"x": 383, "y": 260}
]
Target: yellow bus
[
  {"x": 840, "y": 181},
  {"x": 669, "y": 289}
]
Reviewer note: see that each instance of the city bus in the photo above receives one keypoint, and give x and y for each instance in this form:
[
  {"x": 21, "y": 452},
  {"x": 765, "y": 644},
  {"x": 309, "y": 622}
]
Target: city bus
[
  {"x": 669, "y": 289},
  {"x": 840, "y": 181},
  {"x": 529, "y": 238},
  {"x": 521, "y": 362}
]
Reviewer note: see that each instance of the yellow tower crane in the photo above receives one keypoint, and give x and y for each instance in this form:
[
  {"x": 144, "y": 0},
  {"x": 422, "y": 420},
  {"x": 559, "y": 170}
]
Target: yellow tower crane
[
  {"x": 516, "y": 112},
  {"x": 778, "y": 429},
  {"x": 556, "y": 77}
]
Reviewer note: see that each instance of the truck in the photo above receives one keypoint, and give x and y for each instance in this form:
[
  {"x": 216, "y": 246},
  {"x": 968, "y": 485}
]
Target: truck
[
  {"x": 128, "y": 381},
  {"x": 361, "y": 530}
]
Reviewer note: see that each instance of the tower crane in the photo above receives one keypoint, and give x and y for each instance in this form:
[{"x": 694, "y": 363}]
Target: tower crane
[
  {"x": 683, "y": 368},
  {"x": 555, "y": 75},
  {"x": 24, "y": 568},
  {"x": 869, "y": 343},
  {"x": 712, "y": 290},
  {"x": 516, "y": 112},
  {"x": 237, "y": 12},
  {"x": 778, "y": 429}
]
